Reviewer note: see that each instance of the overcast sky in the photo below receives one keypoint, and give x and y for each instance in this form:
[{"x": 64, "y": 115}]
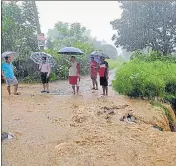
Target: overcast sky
[{"x": 94, "y": 15}]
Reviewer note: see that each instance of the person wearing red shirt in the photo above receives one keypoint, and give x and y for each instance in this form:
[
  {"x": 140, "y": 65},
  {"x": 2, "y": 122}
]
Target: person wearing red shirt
[
  {"x": 103, "y": 72},
  {"x": 93, "y": 73}
]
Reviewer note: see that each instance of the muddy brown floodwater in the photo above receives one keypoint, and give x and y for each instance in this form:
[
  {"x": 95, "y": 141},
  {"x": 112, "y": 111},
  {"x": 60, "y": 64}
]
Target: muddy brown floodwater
[{"x": 59, "y": 129}]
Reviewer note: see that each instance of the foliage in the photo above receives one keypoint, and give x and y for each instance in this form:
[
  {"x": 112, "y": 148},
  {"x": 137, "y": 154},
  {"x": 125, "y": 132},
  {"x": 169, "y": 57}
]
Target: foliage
[
  {"x": 146, "y": 24},
  {"x": 140, "y": 78},
  {"x": 18, "y": 28},
  {"x": 153, "y": 56},
  {"x": 65, "y": 34},
  {"x": 114, "y": 64},
  {"x": 19, "y": 35}
]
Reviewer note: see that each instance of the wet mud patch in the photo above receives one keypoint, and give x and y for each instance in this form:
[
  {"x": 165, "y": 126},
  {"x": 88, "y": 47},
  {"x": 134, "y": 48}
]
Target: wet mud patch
[
  {"x": 117, "y": 112},
  {"x": 129, "y": 118}
]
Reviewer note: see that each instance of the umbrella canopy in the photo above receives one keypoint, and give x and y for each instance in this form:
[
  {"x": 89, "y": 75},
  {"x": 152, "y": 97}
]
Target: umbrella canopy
[
  {"x": 96, "y": 58},
  {"x": 10, "y": 54},
  {"x": 70, "y": 51},
  {"x": 37, "y": 58},
  {"x": 97, "y": 55}
]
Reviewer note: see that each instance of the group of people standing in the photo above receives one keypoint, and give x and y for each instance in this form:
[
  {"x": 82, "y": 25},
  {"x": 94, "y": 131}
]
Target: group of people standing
[
  {"x": 74, "y": 74},
  {"x": 103, "y": 70},
  {"x": 95, "y": 68}
]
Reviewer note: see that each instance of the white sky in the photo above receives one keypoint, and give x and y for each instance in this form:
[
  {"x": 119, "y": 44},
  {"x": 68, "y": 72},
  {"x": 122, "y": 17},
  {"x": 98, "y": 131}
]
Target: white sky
[{"x": 94, "y": 15}]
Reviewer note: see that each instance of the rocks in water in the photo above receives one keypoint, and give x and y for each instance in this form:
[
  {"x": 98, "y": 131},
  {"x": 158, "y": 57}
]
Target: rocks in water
[
  {"x": 129, "y": 118},
  {"x": 5, "y": 135}
]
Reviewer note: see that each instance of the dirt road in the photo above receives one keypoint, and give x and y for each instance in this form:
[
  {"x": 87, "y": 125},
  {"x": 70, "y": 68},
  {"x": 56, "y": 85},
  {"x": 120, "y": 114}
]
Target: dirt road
[{"x": 59, "y": 129}]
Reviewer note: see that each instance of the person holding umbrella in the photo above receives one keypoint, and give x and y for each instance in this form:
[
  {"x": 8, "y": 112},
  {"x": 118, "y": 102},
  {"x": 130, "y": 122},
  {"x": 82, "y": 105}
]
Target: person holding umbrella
[
  {"x": 45, "y": 62},
  {"x": 45, "y": 70},
  {"x": 8, "y": 75},
  {"x": 103, "y": 72},
  {"x": 74, "y": 74},
  {"x": 74, "y": 67},
  {"x": 93, "y": 73}
]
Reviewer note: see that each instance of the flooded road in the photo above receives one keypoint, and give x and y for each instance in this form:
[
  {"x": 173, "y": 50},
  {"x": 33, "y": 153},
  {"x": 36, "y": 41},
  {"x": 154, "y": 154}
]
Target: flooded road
[{"x": 59, "y": 129}]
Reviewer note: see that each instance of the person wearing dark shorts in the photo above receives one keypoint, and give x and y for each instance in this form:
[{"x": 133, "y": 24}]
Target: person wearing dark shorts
[
  {"x": 45, "y": 70},
  {"x": 44, "y": 78},
  {"x": 103, "y": 72}
]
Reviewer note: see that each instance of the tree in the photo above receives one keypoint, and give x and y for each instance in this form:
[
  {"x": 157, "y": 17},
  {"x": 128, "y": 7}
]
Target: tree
[
  {"x": 146, "y": 24},
  {"x": 18, "y": 28},
  {"x": 64, "y": 34},
  {"x": 19, "y": 34},
  {"x": 109, "y": 50}
]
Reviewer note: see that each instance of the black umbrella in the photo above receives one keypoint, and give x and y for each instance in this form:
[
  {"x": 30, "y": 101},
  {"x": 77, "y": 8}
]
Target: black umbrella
[{"x": 70, "y": 51}]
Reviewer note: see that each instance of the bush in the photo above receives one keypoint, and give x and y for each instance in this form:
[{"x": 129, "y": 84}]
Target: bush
[
  {"x": 153, "y": 56},
  {"x": 140, "y": 78}
]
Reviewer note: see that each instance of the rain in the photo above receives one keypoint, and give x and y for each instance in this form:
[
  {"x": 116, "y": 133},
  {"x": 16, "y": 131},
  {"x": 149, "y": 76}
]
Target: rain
[{"x": 88, "y": 83}]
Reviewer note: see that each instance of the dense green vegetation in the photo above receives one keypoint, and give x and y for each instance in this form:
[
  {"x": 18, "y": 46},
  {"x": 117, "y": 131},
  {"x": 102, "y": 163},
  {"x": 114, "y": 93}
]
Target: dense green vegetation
[{"x": 148, "y": 75}]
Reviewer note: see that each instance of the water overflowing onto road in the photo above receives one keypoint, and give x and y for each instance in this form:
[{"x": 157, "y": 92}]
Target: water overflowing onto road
[{"x": 60, "y": 129}]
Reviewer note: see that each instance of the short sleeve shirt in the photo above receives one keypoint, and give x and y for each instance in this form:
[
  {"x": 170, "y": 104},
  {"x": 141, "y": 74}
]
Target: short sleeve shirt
[
  {"x": 74, "y": 69},
  {"x": 93, "y": 68},
  {"x": 107, "y": 66},
  {"x": 7, "y": 68}
]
